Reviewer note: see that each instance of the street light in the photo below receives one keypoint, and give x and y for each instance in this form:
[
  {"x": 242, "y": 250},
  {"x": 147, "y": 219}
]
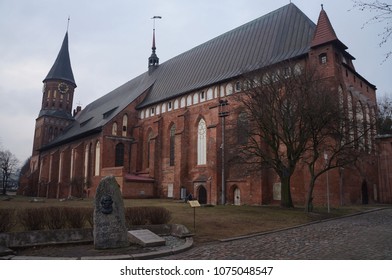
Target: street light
[
  {"x": 223, "y": 114},
  {"x": 326, "y": 166}
]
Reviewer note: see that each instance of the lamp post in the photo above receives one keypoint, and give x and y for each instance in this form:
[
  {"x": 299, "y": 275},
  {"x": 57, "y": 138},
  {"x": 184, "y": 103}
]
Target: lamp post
[
  {"x": 326, "y": 165},
  {"x": 223, "y": 114}
]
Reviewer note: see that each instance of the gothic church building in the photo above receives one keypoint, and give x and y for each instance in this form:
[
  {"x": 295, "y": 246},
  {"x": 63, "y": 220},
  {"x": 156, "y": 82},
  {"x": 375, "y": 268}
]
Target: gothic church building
[{"x": 160, "y": 134}]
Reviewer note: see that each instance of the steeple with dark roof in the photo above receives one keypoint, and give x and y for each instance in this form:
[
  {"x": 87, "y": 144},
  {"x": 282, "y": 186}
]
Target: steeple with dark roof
[
  {"x": 57, "y": 100},
  {"x": 61, "y": 69},
  {"x": 324, "y": 31},
  {"x": 153, "y": 60}
]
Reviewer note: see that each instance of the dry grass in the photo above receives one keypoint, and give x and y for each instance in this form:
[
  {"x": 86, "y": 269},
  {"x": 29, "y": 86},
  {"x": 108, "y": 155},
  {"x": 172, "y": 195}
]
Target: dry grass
[{"x": 212, "y": 223}]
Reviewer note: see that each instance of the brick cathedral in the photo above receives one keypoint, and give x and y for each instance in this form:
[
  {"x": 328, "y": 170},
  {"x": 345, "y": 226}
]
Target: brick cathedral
[{"x": 160, "y": 133}]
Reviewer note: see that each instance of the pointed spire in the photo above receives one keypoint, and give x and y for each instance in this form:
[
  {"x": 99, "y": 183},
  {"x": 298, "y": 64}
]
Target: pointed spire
[
  {"x": 153, "y": 60},
  {"x": 324, "y": 32},
  {"x": 61, "y": 69}
]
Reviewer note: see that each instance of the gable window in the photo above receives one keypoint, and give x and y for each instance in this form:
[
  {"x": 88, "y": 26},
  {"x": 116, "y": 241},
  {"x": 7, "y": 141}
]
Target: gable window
[
  {"x": 202, "y": 96},
  {"x": 172, "y": 144},
  {"x": 119, "y": 155},
  {"x": 124, "y": 125},
  {"x": 323, "y": 58},
  {"x": 114, "y": 129},
  {"x": 201, "y": 142},
  {"x": 195, "y": 98},
  {"x": 237, "y": 86},
  {"x": 182, "y": 102}
]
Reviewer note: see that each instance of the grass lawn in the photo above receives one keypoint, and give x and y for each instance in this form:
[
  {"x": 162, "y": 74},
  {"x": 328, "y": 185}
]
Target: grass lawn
[{"x": 212, "y": 223}]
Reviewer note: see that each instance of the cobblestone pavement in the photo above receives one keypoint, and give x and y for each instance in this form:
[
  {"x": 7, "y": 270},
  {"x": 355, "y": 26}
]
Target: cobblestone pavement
[{"x": 365, "y": 236}]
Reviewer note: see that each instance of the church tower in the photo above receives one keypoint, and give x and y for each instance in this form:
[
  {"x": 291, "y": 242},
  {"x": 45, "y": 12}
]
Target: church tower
[
  {"x": 326, "y": 48},
  {"x": 57, "y": 98}
]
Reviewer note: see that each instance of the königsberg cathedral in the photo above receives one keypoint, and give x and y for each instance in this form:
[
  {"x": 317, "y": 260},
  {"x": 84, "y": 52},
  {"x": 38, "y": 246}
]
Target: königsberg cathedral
[{"x": 160, "y": 134}]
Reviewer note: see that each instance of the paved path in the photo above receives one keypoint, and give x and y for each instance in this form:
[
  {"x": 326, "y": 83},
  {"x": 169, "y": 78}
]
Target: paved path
[{"x": 365, "y": 236}]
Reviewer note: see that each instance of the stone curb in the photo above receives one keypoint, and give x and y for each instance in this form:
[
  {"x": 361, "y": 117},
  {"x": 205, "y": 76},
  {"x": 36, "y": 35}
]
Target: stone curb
[
  {"x": 142, "y": 256},
  {"x": 299, "y": 226}
]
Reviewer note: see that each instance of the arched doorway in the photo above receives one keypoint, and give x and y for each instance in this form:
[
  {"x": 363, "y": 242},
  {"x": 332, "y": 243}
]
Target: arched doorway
[
  {"x": 237, "y": 196},
  {"x": 202, "y": 195},
  {"x": 365, "y": 194}
]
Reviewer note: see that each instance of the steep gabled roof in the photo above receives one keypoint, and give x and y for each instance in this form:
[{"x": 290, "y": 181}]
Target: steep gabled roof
[
  {"x": 61, "y": 69},
  {"x": 280, "y": 35}
]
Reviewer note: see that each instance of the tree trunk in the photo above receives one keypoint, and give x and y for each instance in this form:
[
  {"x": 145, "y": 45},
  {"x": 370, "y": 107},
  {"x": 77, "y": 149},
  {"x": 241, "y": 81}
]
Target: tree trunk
[
  {"x": 309, "y": 196},
  {"x": 286, "y": 200}
]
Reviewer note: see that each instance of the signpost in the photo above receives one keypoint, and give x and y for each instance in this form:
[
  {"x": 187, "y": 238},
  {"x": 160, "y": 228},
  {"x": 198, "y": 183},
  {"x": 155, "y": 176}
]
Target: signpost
[{"x": 194, "y": 204}]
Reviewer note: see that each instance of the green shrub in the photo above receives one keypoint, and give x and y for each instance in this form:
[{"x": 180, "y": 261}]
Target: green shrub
[
  {"x": 76, "y": 217},
  {"x": 55, "y": 217},
  {"x": 7, "y": 219},
  {"x": 32, "y": 218},
  {"x": 159, "y": 215},
  {"x": 135, "y": 216},
  {"x": 89, "y": 215}
]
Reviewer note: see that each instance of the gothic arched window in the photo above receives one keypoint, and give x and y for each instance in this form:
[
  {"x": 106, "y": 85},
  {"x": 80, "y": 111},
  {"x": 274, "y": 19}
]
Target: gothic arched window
[
  {"x": 172, "y": 144},
  {"x": 119, "y": 155},
  {"x": 148, "y": 155},
  {"x": 242, "y": 129},
  {"x": 97, "y": 158},
  {"x": 201, "y": 142}
]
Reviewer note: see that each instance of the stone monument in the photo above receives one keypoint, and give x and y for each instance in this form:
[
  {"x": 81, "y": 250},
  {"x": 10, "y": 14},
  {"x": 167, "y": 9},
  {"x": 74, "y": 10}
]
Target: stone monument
[{"x": 110, "y": 230}]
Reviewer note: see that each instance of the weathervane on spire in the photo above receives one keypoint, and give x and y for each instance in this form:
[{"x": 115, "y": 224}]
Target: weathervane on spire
[
  {"x": 154, "y": 18},
  {"x": 69, "y": 18},
  {"x": 153, "y": 60}
]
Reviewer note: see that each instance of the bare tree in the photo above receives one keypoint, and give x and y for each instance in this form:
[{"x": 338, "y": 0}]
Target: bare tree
[
  {"x": 383, "y": 14},
  {"x": 384, "y": 116},
  {"x": 294, "y": 117},
  {"x": 337, "y": 137},
  {"x": 275, "y": 101},
  {"x": 8, "y": 164}
]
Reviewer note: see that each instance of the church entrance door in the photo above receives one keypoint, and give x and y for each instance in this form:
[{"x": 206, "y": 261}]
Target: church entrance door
[
  {"x": 202, "y": 195},
  {"x": 237, "y": 196}
]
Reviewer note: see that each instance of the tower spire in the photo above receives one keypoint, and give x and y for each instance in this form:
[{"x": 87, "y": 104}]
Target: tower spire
[
  {"x": 324, "y": 32},
  {"x": 153, "y": 60},
  {"x": 61, "y": 69}
]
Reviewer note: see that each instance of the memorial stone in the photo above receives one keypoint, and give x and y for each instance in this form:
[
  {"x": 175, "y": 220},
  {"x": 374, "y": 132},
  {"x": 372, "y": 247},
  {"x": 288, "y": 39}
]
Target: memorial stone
[{"x": 110, "y": 230}]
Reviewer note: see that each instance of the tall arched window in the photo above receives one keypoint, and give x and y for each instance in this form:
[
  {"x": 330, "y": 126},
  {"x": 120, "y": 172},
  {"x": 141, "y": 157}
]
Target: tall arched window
[
  {"x": 368, "y": 129},
  {"x": 201, "y": 142},
  {"x": 172, "y": 144},
  {"x": 150, "y": 136},
  {"x": 97, "y": 158},
  {"x": 350, "y": 110},
  {"x": 86, "y": 160},
  {"x": 360, "y": 125},
  {"x": 242, "y": 129},
  {"x": 119, "y": 155}
]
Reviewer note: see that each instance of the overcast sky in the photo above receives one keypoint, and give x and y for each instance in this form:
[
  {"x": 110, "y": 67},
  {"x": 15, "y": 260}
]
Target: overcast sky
[{"x": 110, "y": 41}]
